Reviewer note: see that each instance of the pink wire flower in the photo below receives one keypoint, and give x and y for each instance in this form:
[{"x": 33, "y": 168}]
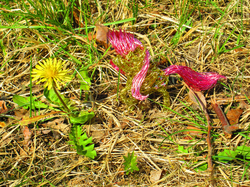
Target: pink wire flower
[
  {"x": 196, "y": 81},
  {"x": 139, "y": 78},
  {"x": 116, "y": 67},
  {"x": 124, "y": 43}
]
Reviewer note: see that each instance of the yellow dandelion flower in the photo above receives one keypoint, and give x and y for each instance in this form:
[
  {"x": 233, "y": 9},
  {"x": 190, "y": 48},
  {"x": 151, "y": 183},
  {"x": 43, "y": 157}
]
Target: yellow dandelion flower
[{"x": 52, "y": 72}]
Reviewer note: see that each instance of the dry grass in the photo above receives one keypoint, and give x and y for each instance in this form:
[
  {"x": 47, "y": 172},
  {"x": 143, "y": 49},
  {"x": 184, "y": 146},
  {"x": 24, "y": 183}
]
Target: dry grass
[{"x": 216, "y": 39}]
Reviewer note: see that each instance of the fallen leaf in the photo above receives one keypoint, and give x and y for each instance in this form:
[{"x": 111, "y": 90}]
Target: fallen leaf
[
  {"x": 27, "y": 135},
  {"x": 97, "y": 135},
  {"x": 155, "y": 176},
  {"x": 124, "y": 123},
  {"x": 58, "y": 124},
  {"x": 20, "y": 113},
  {"x": 234, "y": 115},
  {"x": 227, "y": 129},
  {"x": 244, "y": 105},
  {"x": 2, "y": 124},
  {"x": 163, "y": 7},
  {"x": 238, "y": 50},
  {"x": 27, "y": 120},
  {"x": 2, "y": 105},
  {"x": 23, "y": 153},
  {"x": 76, "y": 12},
  {"x": 193, "y": 131},
  {"x": 97, "y": 132},
  {"x": 198, "y": 100},
  {"x": 91, "y": 36},
  {"x": 101, "y": 35},
  {"x": 3, "y": 108}
]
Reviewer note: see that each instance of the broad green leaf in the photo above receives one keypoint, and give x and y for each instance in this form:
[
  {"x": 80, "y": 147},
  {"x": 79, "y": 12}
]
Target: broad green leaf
[
  {"x": 52, "y": 97},
  {"x": 84, "y": 80},
  {"x": 82, "y": 118},
  {"x": 25, "y": 102},
  {"x": 227, "y": 155}
]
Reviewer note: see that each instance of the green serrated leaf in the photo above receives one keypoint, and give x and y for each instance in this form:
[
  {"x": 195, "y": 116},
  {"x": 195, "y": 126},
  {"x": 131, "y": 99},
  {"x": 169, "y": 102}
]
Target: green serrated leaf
[
  {"x": 91, "y": 153},
  {"x": 84, "y": 140},
  {"x": 130, "y": 163},
  {"x": 81, "y": 142},
  {"x": 25, "y": 102}
]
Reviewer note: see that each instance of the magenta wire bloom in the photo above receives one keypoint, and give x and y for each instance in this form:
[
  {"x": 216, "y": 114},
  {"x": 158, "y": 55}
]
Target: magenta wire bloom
[
  {"x": 196, "y": 81},
  {"x": 139, "y": 78},
  {"x": 116, "y": 67},
  {"x": 123, "y": 42}
]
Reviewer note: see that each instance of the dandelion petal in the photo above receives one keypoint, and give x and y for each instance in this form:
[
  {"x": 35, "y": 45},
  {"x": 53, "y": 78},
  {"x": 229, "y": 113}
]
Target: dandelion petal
[{"x": 196, "y": 81}]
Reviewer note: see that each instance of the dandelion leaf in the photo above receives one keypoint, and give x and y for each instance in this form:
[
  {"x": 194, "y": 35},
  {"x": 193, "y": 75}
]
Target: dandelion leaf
[
  {"x": 25, "y": 102},
  {"x": 82, "y": 118},
  {"x": 81, "y": 142},
  {"x": 84, "y": 80}
]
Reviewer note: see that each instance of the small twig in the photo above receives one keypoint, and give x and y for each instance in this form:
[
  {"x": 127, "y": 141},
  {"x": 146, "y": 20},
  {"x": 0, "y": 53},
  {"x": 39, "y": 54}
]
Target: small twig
[
  {"x": 209, "y": 144},
  {"x": 209, "y": 154}
]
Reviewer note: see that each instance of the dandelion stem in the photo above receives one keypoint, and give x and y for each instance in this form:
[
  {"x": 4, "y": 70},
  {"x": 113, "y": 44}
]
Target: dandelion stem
[{"x": 60, "y": 98}]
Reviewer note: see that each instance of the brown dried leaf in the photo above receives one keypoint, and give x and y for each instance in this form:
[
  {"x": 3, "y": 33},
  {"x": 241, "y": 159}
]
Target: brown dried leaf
[
  {"x": 27, "y": 135},
  {"x": 227, "y": 129},
  {"x": 244, "y": 105},
  {"x": 27, "y": 120},
  {"x": 58, "y": 124},
  {"x": 198, "y": 100},
  {"x": 91, "y": 36},
  {"x": 76, "y": 12},
  {"x": 98, "y": 135},
  {"x": 101, "y": 35},
  {"x": 2, "y": 124},
  {"x": 47, "y": 131},
  {"x": 3, "y": 108},
  {"x": 2, "y": 105},
  {"x": 234, "y": 115},
  {"x": 20, "y": 113},
  {"x": 155, "y": 175},
  {"x": 193, "y": 131}
]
